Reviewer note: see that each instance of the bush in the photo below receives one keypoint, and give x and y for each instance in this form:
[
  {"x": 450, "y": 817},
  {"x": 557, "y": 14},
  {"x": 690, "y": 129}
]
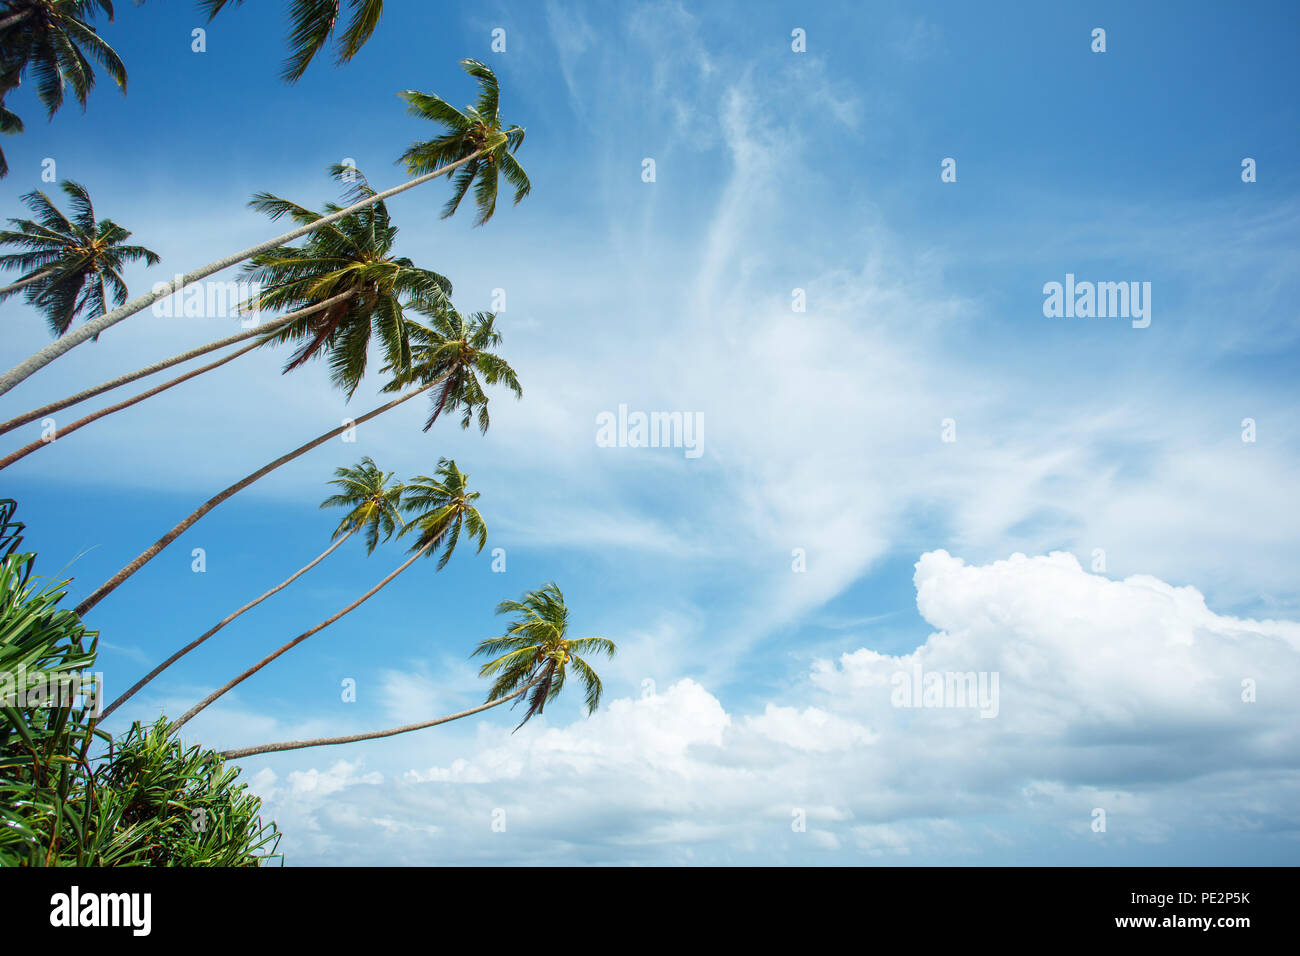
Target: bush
[{"x": 144, "y": 800}]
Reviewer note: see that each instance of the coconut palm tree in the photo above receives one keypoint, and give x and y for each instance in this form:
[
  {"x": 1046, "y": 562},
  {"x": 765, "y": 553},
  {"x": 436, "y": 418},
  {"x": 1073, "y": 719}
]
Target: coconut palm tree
[
  {"x": 535, "y": 651},
  {"x": 443, "y": 507},
  {"x": 156, "y": 367},
  {"x": 343, "y": 286},
  {"x": 454, "y": 364},
  {"x": 454, "y": 350},
  {"x": 533, "y": 655},
  {"x": 312, "y": 24},
  {"x": 69, "y": 263},
  {"x": 476, "y": 131},
  {"x": 463, "y": 145},
  {"x": 374, "y": 506},
  {"x": 352, "y": 255},
  {"x": 54, "y": 40}
]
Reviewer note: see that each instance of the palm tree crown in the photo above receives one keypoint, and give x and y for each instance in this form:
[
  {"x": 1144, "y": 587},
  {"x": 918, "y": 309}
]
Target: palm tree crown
[
  {"x": 444, "y": 506},
  {"x": 351, "y": 254},
  {"x": 53, "y": 39},
  {"x": 69, "y": 264},
  {"x": 476, "y": 129},
  {"x": 312, "y": 23},
  {"x": 454, "y": 349},
  {"x": 373, "y": 503},
  {"x": 535, "y": 651}
]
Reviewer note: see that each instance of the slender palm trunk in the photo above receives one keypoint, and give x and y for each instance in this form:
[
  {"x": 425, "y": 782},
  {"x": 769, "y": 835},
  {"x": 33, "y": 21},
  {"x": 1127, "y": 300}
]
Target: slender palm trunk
[
  {"x": 231, "y": 684},
  {"x": 23, "y": 283},
  {"x": 177, "y": 359},
  {"x": 153, "y": 550},
  {"x": 93, "y": 416},
  {"x": 135, "y": 688},
  {"x": 7, "y": 22},
  {"x": 94, "y": 327},
  {"x": 373, "y": 735}
]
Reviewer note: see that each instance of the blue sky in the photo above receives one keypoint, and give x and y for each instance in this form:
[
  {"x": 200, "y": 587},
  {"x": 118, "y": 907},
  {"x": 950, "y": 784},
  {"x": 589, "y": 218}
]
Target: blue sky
[{"x": 744, "y": 691}]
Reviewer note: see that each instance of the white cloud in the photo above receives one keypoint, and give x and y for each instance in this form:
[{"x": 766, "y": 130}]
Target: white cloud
[{"x": 1124, "y": 695}]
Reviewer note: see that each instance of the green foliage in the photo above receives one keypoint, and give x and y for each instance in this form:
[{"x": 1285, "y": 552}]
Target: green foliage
[
  {"x": 536, "y": 651},
  {"x": 75, "y": 261},
  {"x": 442, "y": 506},
  {"x": 453, "y": 350},
  {"x": 169, "y": 806},
  {"x": 312, "y": 24},
  {"x": 53, "y": 42},
  {"x": 477, "y": 129},
  {"x": 352, "y": 255},
  {"x": 42, "y": 748},
  {"x": 373, "y": 501},
  {"x": 144, "y": 800}
]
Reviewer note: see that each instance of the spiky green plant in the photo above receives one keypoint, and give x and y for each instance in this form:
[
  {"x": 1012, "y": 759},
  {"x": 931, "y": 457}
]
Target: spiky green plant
[
  {"x": 42, "y": 741},
  {"x": 142, "y": 801},
  {"x": 169, "y": 805}
]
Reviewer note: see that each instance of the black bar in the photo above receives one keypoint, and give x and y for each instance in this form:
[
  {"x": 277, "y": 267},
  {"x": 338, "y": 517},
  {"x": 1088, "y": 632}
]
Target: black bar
[{"x": 924, "y": 905}]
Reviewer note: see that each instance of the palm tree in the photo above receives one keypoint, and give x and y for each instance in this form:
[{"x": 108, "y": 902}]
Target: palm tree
[
  {"x": 476, "y": 131},
  {"x": 536, "y": 655},
  {"x": 53, "y": 39},
  {"x": 374, "y": 506},
  {"x": 312, "y": 23},
  {"x": 444, "y": 506},
  {"x": 453, "y": 364},
  {"x": 351, "y": 255},
  {"x": 70, "y": 263},
  {"x": 156, "y": 367},
  {"x": 453, "y": 350},
  {"x": 535, "y": 652},
  {"x": 483, "y": 139},
  {"x": 338, "y": 285}
]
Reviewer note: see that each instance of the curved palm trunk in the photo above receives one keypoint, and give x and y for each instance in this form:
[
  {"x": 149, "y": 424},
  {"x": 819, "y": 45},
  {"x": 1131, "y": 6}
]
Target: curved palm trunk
[
  {"x": 82, "y": 422},
  {"x": 231, "y": 684},
  {"x": 94, "y": 327},
  {"x": 23, "y": 283},
  {"x": 222, "y": 623},
  {"x": 177, "y": 359},
  {"x": 373, "y": 735},
  {"x": 7, "y": 22},
  {"x": 109, "y": 586}
]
